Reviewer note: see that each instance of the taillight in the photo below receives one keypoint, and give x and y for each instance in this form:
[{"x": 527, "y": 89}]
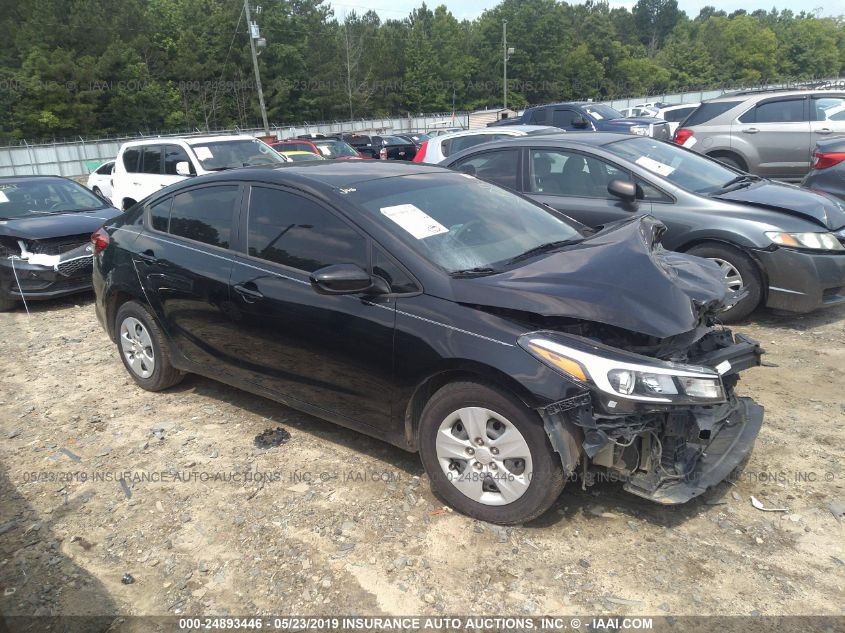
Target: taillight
[
  {"x": 682, "y": 135},
  {"x": 100, "y": 239},
  {"x": 823, "y": 160},
  {"x": 382, "y": 153},
  {"x": 421, "y": 152}
]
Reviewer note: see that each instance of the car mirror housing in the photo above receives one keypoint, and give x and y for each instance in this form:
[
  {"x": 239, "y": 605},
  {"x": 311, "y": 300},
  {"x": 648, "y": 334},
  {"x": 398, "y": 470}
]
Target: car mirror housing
[
  {"x": 622, "y": 189},
  {"x": 344, "y": 279},
  {"x": 183, "y": 168}
]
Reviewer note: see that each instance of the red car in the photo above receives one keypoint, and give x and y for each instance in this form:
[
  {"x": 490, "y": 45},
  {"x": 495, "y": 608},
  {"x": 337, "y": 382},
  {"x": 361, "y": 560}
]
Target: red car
[{"x": 326, "y": 147}]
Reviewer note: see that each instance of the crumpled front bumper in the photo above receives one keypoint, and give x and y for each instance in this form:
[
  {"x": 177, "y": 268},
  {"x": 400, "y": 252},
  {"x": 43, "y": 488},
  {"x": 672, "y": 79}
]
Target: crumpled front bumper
[
  {"x": 727, "y": 449},
  {"x": 71, "y": 274}
]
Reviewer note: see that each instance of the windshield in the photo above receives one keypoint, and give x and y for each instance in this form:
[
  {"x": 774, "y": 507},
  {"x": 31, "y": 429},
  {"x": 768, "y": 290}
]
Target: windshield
[
  {"x": 600, "y": 111},
  {"x": 39, "y": 197},
  {"x": 682, "y": 167},
  {"x": 334, "y": 149},
  {"x": 297, "y": 156},
  {"x": 395, "y": 140},
  {"x": 458, "y": 222},
  {"x": 217, "y": 155}
]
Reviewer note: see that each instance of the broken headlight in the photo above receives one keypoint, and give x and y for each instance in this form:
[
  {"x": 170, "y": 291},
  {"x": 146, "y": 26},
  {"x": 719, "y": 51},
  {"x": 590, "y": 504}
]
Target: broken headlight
[{"x": 623, "y": 374}]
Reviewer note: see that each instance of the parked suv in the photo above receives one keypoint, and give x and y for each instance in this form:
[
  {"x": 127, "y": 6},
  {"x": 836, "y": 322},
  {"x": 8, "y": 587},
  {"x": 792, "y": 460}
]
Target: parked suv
[
  {"x": 766, "y": 132},
  {"x": 144, "y": 167},
  {"x": 575, "y": 116}
]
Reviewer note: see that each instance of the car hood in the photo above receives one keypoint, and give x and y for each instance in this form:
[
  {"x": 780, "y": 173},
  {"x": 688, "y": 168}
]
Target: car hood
[
  {"x": 817, "y": 207},
  {"x": 620, "y": 276},
  {"x": 39, "y": 227}
]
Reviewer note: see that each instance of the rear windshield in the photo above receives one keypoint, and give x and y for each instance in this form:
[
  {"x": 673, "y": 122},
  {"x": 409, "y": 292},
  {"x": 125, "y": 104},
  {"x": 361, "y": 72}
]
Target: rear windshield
[
  {"x": 707, "y": 111},
  {"x": 44, "y": 197}
]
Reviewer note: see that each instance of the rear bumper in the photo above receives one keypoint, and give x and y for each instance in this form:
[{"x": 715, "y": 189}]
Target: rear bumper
[
  {"x": 801, "y": 281},
  {"x": 726, "y": 450},
  {"x": 41, "y": 282}
]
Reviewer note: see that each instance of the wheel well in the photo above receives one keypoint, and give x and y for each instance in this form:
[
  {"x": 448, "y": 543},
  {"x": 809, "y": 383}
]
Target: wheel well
[
  {"x": 723, "y": 153},
  {"x": 423, "y": 393},
  {"x": 115, "y": 300},
  {"x": 764, "y": 278}
]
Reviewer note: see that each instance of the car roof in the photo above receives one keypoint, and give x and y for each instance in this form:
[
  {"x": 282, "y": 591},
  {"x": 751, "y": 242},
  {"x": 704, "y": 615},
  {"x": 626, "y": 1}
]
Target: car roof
[
  {"x": 190, "y": 140},
  {"x": 550, "y": 140},
  {"x": 13, "y": 179},
  {"x": 746, "y": 95},
  {"x": 513, "y": 130}
]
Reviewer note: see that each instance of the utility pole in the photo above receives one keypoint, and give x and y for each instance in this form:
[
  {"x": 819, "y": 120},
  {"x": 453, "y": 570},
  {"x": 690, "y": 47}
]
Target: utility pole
[
  {"x": 505, "y": 57},
  {"x": 253, "y": 35}
]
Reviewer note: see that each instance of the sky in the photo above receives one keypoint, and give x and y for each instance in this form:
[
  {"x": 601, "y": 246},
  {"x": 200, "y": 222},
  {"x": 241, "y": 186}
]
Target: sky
[{"x": 398, "y": 9}]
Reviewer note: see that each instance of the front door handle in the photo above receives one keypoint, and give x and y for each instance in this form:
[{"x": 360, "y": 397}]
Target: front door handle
[
  {"x": 824, "y": 130},
  {"x": 147, "y": 255},
  {"x": 250, "y": 295},
  {"x": 750, "y": 130}
]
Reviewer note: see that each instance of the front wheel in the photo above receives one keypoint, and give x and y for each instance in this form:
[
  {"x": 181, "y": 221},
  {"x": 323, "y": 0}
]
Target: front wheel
[
  {"x": 487, "y": 454},
  {"x": 738, "y": 270}
]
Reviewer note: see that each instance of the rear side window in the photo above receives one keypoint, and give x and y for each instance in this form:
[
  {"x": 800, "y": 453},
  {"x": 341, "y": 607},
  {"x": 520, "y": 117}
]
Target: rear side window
[
  {"x": 783, "y": 111},
  {"x": 151, "y": 160},
  {"x": 160, "y": 215},
  {"x": 454, "y": 145},
  {"x": 708, "y": 111},
  {"x": 676, "y": 116},
  {"x": 174, "y": 154},
  {"x": 105, "y": 169},
  {"x": 204, "y": 215},
  {"x": 294, "y": 231},
  {"x": 499, "y": 166},
  {"x": 130, "y": 159}
]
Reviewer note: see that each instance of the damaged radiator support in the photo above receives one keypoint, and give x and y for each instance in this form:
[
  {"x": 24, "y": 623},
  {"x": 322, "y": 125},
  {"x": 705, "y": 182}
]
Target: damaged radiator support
[{"x": 75, "y": 261}]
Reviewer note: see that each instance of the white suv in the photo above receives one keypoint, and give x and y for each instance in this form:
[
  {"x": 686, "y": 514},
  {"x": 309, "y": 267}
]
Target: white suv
[
  {"x": 438, "y": 148},
  {"x": 144, "y": 167}
]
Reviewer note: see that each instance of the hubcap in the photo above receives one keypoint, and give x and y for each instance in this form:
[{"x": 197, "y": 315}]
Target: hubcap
[
  {"x": 484, "y": 456},
  {"x": 733, "y": 280},
  {"x": 137, "y": 347}
]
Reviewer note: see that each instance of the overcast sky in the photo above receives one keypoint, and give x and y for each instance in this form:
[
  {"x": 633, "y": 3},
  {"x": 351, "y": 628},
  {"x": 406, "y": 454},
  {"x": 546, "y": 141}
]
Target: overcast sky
[{"x": 397, "y": 9}]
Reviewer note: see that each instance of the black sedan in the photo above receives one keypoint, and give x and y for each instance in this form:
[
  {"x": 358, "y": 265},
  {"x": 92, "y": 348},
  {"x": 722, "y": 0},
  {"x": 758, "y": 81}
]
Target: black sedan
[
  {"x": 782, "y": 243},
  {"x": 45, "y": 229},
  {"x": 827, "y": 173}
]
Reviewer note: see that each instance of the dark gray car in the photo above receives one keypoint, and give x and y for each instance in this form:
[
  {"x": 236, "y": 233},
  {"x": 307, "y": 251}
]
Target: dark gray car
[
  {"x": 828, "y": 170},
  {"x": 785, "y": 244}
]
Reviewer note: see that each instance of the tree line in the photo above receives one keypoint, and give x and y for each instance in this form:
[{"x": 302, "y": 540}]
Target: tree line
[{"x": 92, "y": 67}]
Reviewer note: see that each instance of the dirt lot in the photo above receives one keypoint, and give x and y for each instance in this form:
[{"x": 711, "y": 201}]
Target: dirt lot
[{"x": 365, "y": 535}]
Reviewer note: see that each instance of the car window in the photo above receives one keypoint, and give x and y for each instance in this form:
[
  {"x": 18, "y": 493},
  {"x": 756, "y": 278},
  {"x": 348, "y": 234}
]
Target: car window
[
  {"x": 130, "y": 159},
  {"x": 563, "y": 118},
  {"x": 783, "y": 111},
  {"x": 650, "y": 193},
  {"x": 676, "y": 116},
  {"x": 160, "y": 215},
  {"x": 174, "y": 154},
  {"x": 396, "y": 278},
  {"x": 828, "y": 109},
  {"x": 454, "y": 145},
  {"x": 288, "y": 229},
  {"x": 563, "y": 173},
  {"x": 106, "y": 169},
  {"x": 150, "y": 159},
  {"x": 709, "y": 111},
  {"x": 499, "y": 166},
  {"x": 205, "y": 214}
]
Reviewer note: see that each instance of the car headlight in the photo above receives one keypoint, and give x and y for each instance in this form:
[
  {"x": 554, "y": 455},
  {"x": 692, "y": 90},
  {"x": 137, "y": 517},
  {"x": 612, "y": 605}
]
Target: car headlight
[
  {"x": 622, "y": 374},
  {"x": 640, "y": 130},
  {"x": 816, "y": 241}
]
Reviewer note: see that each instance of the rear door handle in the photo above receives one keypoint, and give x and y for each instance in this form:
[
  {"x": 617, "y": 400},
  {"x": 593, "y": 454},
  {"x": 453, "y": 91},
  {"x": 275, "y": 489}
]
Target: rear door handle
[
  {"x": 147, "y": 256},
  {"x": 824, "y": 130},
  {"x": 750, "y": 130},
  {"x": 250, "y": 295}
]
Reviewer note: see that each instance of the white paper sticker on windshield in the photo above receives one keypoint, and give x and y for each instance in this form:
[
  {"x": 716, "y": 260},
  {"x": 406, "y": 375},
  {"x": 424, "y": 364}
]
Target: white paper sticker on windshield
[
  {"x": 325, "y": 150},
  {"x": 661, "y": 169},
  {"x": 3, "y": 197},
  {"x": 414, "y": 220},
  {"x": 203, "y": 153}
]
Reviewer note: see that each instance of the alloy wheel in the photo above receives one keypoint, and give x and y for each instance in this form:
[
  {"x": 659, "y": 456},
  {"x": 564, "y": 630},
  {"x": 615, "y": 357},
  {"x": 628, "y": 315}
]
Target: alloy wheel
[
  {"x": 137, "y": 347},
  {"x": 484, "y": 456}
]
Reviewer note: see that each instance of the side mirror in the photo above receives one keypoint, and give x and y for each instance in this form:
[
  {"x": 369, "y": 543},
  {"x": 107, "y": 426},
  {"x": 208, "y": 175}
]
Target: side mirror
[
  {"x": 346, "y": 279},
  {"x": 580, "y": 123},
  {"x": 183, "y": 168},
  {"x": 623, "y": 189}
]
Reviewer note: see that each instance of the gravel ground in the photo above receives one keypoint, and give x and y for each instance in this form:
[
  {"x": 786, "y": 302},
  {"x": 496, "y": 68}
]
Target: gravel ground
[{"x": 331, "y": 522}]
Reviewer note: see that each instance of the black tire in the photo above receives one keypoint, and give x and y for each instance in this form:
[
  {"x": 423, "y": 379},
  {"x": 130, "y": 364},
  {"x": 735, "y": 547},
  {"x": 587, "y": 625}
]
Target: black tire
[
  {"x": 546, "y": 481},
  {"x": 97, "y": 191},
  {"x": 731, "y": 161},
  {"x": 748, "y": 270},
  {"x": 163, "y": 375}
]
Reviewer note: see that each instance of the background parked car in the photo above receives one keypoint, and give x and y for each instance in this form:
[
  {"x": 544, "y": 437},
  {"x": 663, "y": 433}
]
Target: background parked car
[
  {"x": 99, "y": 181},
  {"x": 785, "y": 244},
  {"x": 828, "y": 168},
  {"x": 770, "y": 133},
  {"x": 365, "y": 144},
  {"x": 437, "y": 148},
  {"x": 396, "y": 148},
  {"x": 143, "y": 167},
  {"x": 331, "y": 148},
  {"x": 417, "y": 138},
  {"x": 45, "y": 237},
  {"x": 584, "y": 116},
  {"x": 675, "y": 114},
  {"x": 297, "y": 156}
]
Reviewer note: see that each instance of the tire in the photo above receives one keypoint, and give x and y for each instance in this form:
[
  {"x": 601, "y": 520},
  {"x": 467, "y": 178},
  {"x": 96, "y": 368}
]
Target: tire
[
  {"x": 729, "y": 257},
  {"x": 527, "y": 483},
  {"x": 143, "y": 348},
  {"x": 97, "y": 191},
  {"x": 730, "y": 161}
]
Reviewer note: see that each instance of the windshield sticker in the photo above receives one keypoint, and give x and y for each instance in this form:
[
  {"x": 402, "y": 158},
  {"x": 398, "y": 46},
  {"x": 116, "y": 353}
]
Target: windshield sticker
[
  {"x": 203, "y": 153},
  {"x": 3, "y": 197},
  {"x": 414, "y": 220},
  {"x": 324, "y": 150},
  {"x": 661, "y": 169}
]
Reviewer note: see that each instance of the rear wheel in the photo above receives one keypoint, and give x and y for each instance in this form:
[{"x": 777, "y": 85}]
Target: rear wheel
[
  {"x": 738, "y": 270},
  {"x": 143, "y": 348},
  {"x": 487, "y": 455}
]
